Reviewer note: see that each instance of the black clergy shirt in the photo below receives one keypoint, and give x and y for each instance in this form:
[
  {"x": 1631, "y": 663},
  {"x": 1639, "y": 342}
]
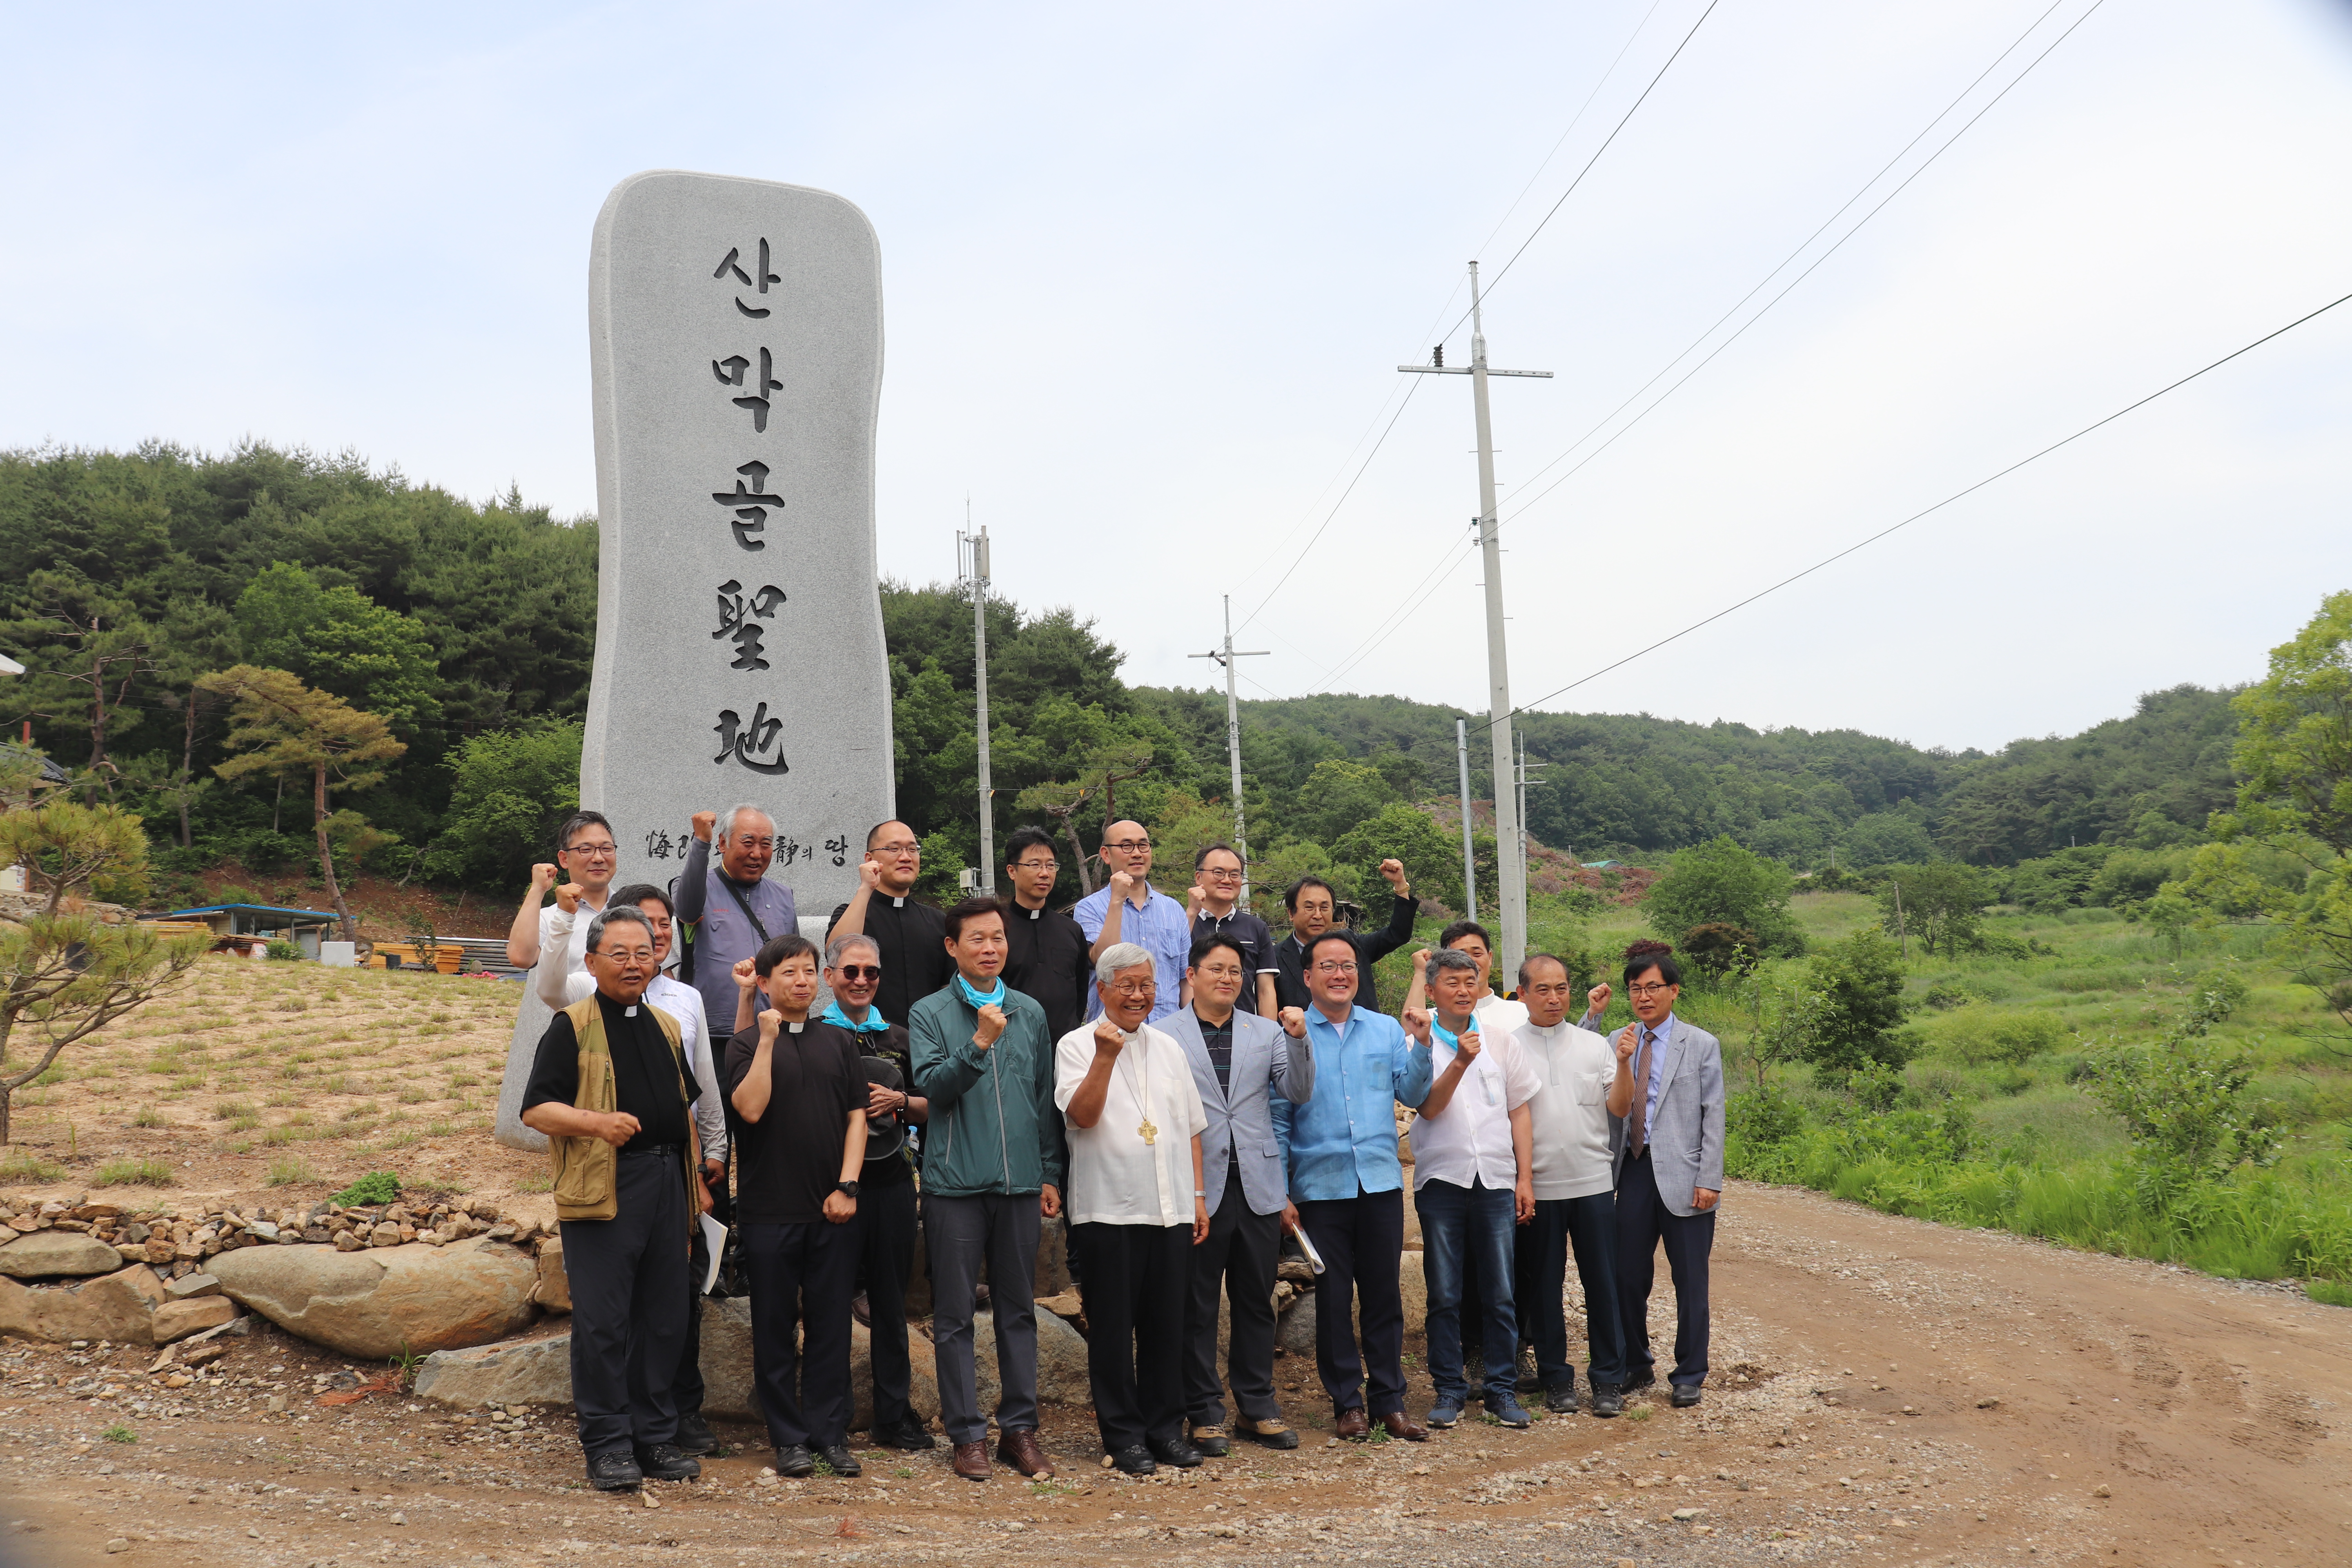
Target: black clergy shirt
[
  {"x": 791, "y": 1158},
  {"x": 644, "y": 1085},
  {"x": 1047, "y": 959}
]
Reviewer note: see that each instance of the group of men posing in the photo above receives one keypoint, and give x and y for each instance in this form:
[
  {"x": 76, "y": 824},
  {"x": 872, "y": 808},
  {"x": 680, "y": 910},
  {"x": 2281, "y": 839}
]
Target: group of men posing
[{"x": 1180, "y": 1086}]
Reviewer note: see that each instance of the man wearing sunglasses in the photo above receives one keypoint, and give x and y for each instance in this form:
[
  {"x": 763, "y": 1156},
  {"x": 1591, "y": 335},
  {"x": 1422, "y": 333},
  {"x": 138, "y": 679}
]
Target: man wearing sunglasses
[
  {"x": 910, "y": 933},
  {"x": 1045, "y": 950}
]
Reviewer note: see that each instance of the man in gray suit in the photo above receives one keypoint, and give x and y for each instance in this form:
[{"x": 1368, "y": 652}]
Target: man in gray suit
[
  {"x": 1239, "y": 1060},
  {"x": 1668, "y": 1148}
]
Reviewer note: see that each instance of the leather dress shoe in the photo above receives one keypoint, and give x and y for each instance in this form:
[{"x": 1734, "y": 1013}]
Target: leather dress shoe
[
  {"x": 1211, "y": 1440},
  {"x": 615, "y": 1471},
  {"x": 668, "y": 1462},
  {"x": 1400, "y": 1424},
  {"x": 972, "y": 1461},
  {"x": 838, "y": 1455},
  {"x": 795, "y": 1461},
  {"x": 1686, "y": 1395},
  {"x": 1351, "y": 1424},
  {"x": 1176, "y": 1451},
  {"x": 1134, "y": 1461},
  {"x": 694, "y": 1435},
  {"x": 908, "y": 1436},
  {"x": 1275, "y": 1433},
  {"x": 1019, "y": 1449}
]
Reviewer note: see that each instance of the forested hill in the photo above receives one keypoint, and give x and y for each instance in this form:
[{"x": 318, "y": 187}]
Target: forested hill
[{"x": 469, "y": 628}]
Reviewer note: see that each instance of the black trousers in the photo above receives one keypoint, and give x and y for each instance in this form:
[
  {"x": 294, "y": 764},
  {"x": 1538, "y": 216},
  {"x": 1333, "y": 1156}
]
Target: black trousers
[
  {"x": 801, "y": 1277},
  {"x": 1362, "y": 1243},
  {"x": 1240, "y": 1256},
  {"x": 628, "y": 1307},
  {"x": 1587, "y": 1226},
  {"x": 886, "y": 1222},
  {"x": 1138, "y": 1278},
  {"x": 1643, "y": 1222}
]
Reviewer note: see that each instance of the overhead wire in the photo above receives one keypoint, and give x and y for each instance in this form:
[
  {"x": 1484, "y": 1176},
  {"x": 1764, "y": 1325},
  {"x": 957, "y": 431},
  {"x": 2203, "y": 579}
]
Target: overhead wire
[
  {"x": 1927, "y": 511},
  {"x": 1415, "y": 597}
]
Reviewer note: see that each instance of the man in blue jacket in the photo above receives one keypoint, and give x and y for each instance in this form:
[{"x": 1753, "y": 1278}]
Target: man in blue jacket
[
  {"x": 992, "y": 1166},
  {"x": 1347, "y": 1187}
]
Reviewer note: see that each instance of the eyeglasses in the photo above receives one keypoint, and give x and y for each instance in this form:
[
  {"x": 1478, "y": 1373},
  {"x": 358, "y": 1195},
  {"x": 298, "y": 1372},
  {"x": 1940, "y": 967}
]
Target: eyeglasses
[
  {"x": 1648, "y": 989},
  {"x": 896, "y": 849},
  {"x": 1036, "y": 865},
  {"x": 1223, "y": 876},
  {"x": 860, "y": 972},
  {"x": 594, "y": 851},
  {"x": 1332, "y": 966},
  {"x": 1130, "y": 846},
  {"x": 1134, "y": 988}
]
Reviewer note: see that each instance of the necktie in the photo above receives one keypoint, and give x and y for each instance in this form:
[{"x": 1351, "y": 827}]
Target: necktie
[{"x": 1638, "y": 1138}]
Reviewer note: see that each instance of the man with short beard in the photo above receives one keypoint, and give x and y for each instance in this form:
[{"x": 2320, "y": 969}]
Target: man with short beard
[{"x": 992, "y": 1164}]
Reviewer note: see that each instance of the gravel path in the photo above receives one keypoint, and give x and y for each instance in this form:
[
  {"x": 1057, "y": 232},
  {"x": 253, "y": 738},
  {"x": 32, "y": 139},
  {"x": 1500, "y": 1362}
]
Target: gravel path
[{"x": 1885, "y": 1390}]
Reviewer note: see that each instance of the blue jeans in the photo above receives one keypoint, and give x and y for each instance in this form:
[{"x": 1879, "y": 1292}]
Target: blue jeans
[{"x": 1468, "y": 1228}]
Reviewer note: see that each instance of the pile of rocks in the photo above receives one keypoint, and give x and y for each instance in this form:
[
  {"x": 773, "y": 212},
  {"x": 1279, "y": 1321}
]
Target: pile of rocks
[{"x": 177, "y": 1240}]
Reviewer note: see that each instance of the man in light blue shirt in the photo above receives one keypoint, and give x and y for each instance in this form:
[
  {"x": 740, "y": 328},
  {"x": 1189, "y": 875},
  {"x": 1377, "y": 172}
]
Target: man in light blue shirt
[
  {"x": 1347, "y": 1187},
  {"x": 1131, "y": 909}
]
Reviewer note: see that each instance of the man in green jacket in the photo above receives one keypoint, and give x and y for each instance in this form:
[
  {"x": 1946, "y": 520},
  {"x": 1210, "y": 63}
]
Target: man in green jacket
[{"x": 992, "y": 1170}]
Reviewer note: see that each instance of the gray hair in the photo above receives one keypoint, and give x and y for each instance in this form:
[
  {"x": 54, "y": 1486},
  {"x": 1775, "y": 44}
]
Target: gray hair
[
  {"x": 1451, "y": 958},
  {"x": 625, "y": 914},
  {"x": 841, "y": 944},
  {"x": 727, "y": 819},
  {"x": 1122, "y": 955}
]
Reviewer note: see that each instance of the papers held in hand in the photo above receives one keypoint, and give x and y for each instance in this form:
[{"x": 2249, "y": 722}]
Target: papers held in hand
[
  {"x": 714, "y": 1238},
  {"x": 1314, "y": 1258}
]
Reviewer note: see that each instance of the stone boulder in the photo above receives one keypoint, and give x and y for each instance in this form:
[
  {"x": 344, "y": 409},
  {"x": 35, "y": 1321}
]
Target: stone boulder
[
  {"x": 520, "y": 1371},
  {"x": 1061, "y": 1361},
  {"x": 118, "y": 1307},
  {"x": 376, "y": 1303},
  {"x": 553, "y": 1290},
  {"x": 1296, "y": 1331},
  {"x": 47, "y": 1254},
  {"x": 726, "y": 1376}
]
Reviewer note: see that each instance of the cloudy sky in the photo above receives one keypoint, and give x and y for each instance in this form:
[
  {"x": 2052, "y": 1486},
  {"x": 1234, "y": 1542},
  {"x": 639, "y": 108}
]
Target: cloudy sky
[{"x": 1149, "y": 275}]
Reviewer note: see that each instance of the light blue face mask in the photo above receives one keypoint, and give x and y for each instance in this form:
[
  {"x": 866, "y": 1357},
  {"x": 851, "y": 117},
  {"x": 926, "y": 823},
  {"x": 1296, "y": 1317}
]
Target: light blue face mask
[
  {"x": 981, "y": 998},
  {"x": 875, "y": 1023}
]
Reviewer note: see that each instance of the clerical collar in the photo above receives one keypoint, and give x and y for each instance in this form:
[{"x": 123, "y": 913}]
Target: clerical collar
[
  {"x": 1032, "y": 913},
  {"x": 795, "y": 1025},
  {"x": 630, "y": 1011},
  {"x": 898, "y": 903}
]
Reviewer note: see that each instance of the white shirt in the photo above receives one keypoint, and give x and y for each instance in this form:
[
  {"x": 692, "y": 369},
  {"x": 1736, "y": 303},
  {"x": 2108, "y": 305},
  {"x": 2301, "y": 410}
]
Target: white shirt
[
  {"x": 1575, "y": 1067},
  {"x": 1498, "y": 1016},
  {"x": 1116, "y": 1178},
  {"x": 1470, "y": 1139},
  {"x": 682, "y": 1002}
]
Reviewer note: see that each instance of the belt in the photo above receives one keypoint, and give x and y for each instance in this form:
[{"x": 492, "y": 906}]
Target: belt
[{"x": 665, "y": 1150}]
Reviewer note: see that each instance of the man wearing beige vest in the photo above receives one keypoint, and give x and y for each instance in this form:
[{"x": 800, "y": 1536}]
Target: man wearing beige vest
[{"x": 611, "y": 1089}]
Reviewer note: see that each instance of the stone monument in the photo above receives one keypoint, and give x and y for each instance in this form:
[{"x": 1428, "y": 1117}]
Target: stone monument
[{"x": 735, "y": 340}]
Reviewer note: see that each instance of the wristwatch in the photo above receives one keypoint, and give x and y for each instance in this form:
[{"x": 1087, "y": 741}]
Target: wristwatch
[{"x": 846, "y": 1189}]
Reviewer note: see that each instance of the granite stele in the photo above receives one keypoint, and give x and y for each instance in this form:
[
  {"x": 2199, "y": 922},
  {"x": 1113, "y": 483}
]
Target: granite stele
[{"x": 735, "y": 337}]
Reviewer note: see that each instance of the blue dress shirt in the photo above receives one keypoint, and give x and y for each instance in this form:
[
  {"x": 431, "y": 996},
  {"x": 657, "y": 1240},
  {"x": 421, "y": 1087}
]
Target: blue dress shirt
[
  {"x": 1161, "y": 928},
  {"x": 1344, "y": 1139}
]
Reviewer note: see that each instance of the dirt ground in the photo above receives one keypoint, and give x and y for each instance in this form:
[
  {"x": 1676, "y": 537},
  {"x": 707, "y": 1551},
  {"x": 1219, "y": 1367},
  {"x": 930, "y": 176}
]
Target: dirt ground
[{"x": 1885, "y": 1390}]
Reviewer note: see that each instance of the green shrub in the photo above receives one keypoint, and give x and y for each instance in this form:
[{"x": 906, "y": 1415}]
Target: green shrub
[
  {"x": 283, "y": 949},
  {"x": 1980, "y": 1036},
  {"x": 370, "y": 1191}
]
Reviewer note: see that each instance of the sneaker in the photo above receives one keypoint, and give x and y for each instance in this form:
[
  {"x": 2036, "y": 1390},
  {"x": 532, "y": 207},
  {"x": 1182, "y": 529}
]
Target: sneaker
[
  {"x": 1274, "y": 1432},
  {"x": 838, "y": 1455},
  {"x": 1211, "y": 1440},
  {"x": 1446, "y": 1412},
  {"x": 1608, "y": 1399},
  {"x": 795, "y": 1462},
  {"x": 1530, "y": 1379},
  {"x": 668, "y": 1462},
  {"x": 615, "y": 1471},
  {"x": 1560, "y": 1401},
  {"x": 1506, "y": 1409},
  {"x": 693, "y": 1434}
]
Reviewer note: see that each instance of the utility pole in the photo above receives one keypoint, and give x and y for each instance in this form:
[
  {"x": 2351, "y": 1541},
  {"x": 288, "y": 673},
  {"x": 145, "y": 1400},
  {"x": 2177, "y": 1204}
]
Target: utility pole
[
  {"x": 1469, "y": 854},
  {"x": 1226, "y": 656},
  {"x": 1527, "y": 772},
  {"x": 971, "y": 565},
  {"x": 1509, "y": 855}
]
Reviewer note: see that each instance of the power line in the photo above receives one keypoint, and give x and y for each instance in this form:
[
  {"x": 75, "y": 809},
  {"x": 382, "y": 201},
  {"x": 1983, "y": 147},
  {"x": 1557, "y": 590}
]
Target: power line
[
  {"x": 1808, "y": 271},
  {"x": 1387, "y": 624},
  {"x": 1310, "y": 545},
  {"x": 1939, "y": 506}
]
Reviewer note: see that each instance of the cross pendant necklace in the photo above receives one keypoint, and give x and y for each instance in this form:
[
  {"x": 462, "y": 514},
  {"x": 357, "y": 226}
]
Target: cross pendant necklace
[{"x": 1146, "y": 1128}]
